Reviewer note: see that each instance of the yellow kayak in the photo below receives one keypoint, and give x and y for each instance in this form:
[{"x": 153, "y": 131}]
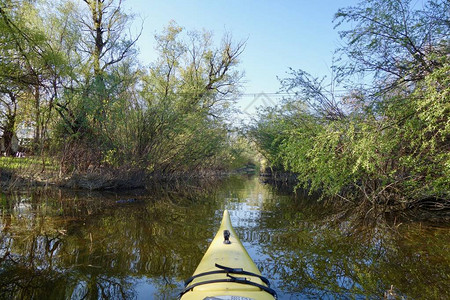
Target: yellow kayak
[{"x": 226, "y": 271}]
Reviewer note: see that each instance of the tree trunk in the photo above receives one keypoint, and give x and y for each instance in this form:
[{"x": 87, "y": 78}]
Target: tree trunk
[
  {"x": 9, "y": 125},
  {"x": 7, "y": 138},
  {"x": 37, "y": 128}
]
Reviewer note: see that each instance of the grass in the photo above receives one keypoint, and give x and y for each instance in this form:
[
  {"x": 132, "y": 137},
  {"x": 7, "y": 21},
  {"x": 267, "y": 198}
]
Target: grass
[{"x": 21, "y": 164}]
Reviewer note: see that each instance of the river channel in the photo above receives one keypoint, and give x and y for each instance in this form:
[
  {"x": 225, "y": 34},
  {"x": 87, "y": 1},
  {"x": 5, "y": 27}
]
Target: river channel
[{"x": 59, "y": 244}]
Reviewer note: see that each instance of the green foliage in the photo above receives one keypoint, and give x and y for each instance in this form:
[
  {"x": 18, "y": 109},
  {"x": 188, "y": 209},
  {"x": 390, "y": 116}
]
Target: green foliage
[
  {"x": 401, "y": 153},
  {"x": 387, "y": 144},
  {"x": 427, "y": 154},
  {"x": 27, "y": 164},
  {"x": 177, "y": 120},
  {"x": 71, "y": 74},
  {"x": 393, "y": 41},
  {"x": 31, "y": 68}
]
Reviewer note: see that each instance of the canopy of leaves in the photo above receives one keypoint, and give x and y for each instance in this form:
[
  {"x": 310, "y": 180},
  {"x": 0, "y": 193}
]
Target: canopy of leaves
[
  {"x": 69, "y": 72},
  {"x": 385, "y": 144}
]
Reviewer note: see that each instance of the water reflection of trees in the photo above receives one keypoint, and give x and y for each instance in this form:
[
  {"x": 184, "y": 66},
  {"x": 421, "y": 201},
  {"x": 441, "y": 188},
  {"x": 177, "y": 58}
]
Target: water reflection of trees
[
  {"x": 59, "y": 245},
  {"x": 54, "y": 247},
  {"x": 324, "y": 253}
]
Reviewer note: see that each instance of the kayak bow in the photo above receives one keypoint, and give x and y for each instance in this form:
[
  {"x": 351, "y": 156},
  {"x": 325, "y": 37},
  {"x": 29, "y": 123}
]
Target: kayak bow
[{"x": 226, "y": 271}]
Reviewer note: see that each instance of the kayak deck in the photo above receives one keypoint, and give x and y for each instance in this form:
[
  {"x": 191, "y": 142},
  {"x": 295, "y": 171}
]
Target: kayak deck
[{"x": 226, "y": 271}]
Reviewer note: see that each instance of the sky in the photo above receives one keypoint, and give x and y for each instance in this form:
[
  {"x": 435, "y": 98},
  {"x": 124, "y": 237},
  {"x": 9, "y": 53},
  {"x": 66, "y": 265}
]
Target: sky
[{"x": 281, "y": 34}]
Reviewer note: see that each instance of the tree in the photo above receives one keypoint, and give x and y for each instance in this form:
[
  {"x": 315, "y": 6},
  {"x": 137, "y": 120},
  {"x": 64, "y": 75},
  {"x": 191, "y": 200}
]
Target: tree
[
  {"x": 98, "y": 42},
  {"x": 382, "y": 144},
  {"x": 101, "y": 55},
  {"x": 314, "y": 94},
  {"x": 106, "y": 42},
  {"x": 12, "y": 74},
  {"x": 186, "y": 94},
  {"x": 393, "y": 42},
  {"x": 28, "y": 63},
  {"x": 8, "y": 114},
  {"x": 420, "y": 126}
]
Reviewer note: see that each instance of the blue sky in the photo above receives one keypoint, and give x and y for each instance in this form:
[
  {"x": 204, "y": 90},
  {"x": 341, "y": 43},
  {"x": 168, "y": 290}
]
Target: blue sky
[{"x": 280, "y": 34}]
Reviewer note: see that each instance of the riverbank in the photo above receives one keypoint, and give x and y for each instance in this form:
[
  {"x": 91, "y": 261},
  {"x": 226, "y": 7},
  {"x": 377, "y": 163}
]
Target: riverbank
[
  {"x": 433, "y": 210},
  {"x": 430, "y": 210},
  {"x": 104, "y": 180},
  {"x": 23, "y": 176}
]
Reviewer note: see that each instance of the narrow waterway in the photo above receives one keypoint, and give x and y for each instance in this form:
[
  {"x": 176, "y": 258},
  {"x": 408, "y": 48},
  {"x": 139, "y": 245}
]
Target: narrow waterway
[{"x": 142, "y": 245}]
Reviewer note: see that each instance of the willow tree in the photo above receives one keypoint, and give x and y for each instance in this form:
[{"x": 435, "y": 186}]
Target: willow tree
[
  {"x": 103, "y": 43},
  {"x": 393, "y": 43},
  {"x": 8, "y": 97},
  {"x": 404, "y": 48},
  {"x": 186, "y": 94},
  {"x": 386, "y": 140},
  {"x": 100, "y": 49},
  {"x": 15, "y": 68},
  {"x": 8, "y": 115},
  {"x": 107, "y": 42},
  {"x": 28, "y": 65}
]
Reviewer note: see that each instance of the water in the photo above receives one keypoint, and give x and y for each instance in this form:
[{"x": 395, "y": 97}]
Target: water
[{"x": 68, "y": 245}]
